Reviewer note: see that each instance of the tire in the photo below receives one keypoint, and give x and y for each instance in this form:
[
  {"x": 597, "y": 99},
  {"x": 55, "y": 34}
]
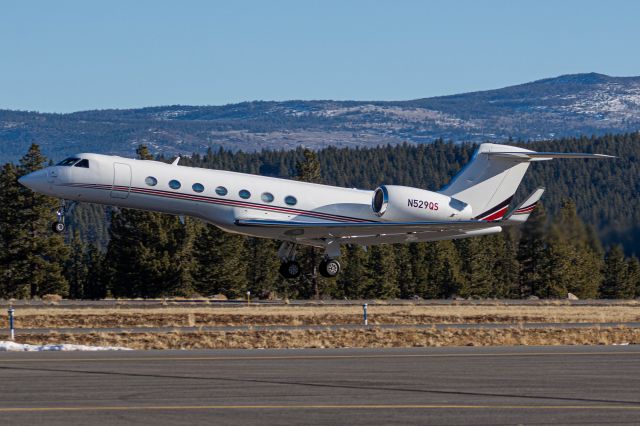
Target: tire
[
  {"x": 57, "y": 227},
  {"x": 290, "y": 269},
  {"x": 329, "y": 268}
]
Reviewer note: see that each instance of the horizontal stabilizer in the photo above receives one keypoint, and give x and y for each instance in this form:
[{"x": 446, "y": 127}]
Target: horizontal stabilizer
[
  {"x": 543, "y": 156},
  {"x": 521, "y": 213}
]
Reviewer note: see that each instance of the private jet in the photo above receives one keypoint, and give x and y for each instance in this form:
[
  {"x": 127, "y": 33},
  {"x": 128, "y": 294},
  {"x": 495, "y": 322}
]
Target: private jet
[{"x": 476, "y": 202}]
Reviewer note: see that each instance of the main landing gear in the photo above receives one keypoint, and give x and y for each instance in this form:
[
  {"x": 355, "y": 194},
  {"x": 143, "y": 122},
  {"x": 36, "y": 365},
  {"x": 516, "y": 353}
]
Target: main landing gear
[
  {"x": 58, "y": 226},
  {"x": 329, "y": 268},
  {"x": 290, "y": 268}
]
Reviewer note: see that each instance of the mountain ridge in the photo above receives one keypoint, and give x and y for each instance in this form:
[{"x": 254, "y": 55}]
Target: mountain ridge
[{"x": 563, "y": 106}]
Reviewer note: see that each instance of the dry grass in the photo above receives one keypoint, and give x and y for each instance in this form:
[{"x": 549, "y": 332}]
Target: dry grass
[
  {"x": 369, "y": 338},
  {"x": 170, "y": 316}
]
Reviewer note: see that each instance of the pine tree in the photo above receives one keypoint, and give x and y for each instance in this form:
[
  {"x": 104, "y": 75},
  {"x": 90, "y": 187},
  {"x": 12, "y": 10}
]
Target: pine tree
[
  {"x": 444, "y": 276},
  {"x": 572, "y": 262},
  {"x": 477, "y": 255},
  {"x": 633, "y": 271},
  {"x": 557, "y": 266},
  {"x": 76, "y": 268},
  {"x": 263, "y": 279},
  {"x": 37, "y": 255},
  {"x": 585, "y": 259},
  {"x": 308, "y": 170},
  {"x": 616, "y": 283},
  {"x": 353, "y": 281},
  {"x": 406, "y": 280},
  {"x": 220, "y": 263},
  {"x": 383, "y": 273},
  {"x": 12, "y": 234},
  {"x": 309, "y": 283},
  {"x": 531, "y": 252},
  {"x": 507, "y": 266},
  {"x": 149, "y": 253},
  {"x": 96, "y": 285}
]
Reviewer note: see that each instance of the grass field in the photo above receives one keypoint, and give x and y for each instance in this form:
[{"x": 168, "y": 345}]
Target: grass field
[
  {"x": 178, "y": 316},
  {"x": 358, "y": 338},
  {"x": 544, "y": 313}
]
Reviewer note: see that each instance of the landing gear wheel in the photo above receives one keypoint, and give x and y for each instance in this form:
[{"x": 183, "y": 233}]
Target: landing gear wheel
[
  {"x": 57, "y": 227},
  {"x": 290, "y": 269},
  {"x": 329, "y": 268}
]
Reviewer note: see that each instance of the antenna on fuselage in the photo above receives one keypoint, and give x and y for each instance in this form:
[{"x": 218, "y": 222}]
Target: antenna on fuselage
[{"x": 175, "y": 162}]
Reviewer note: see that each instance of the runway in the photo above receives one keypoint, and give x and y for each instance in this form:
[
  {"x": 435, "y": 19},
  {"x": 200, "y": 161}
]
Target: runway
[{"x": 467, "y": 385}]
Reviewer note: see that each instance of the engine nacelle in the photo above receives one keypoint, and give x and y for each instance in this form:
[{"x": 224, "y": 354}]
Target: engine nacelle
[{"x": 406, "y": 204}]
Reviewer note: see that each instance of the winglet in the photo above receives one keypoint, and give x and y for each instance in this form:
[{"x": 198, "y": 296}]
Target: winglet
[
  {"x": 521, "y": 213},
  {"x": 175, "y": 162}
]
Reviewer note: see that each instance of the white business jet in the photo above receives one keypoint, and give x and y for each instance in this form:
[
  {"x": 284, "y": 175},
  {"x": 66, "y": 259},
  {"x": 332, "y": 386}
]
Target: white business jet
[{"x": 475, "y": 203}]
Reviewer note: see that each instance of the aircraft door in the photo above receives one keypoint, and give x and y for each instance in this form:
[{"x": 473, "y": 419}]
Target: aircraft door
[{"x": 121, "y": 180}]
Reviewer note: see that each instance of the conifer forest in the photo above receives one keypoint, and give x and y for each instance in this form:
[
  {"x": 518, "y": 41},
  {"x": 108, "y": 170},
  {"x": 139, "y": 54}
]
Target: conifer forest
[{"x": 584, "y": 238}]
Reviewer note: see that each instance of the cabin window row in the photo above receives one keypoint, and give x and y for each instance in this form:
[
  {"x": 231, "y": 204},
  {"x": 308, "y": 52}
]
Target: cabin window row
[{"x": 266, "y": 197}]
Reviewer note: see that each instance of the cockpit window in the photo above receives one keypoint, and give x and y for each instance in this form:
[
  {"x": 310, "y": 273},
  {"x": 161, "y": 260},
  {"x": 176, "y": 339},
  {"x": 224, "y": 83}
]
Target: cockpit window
[
  {"x": 83, "y": 163},
  {"x": 68, "y": 162}
]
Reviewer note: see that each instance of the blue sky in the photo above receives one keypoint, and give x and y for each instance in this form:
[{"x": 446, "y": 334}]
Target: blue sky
[{"x": 62, "y": 56}]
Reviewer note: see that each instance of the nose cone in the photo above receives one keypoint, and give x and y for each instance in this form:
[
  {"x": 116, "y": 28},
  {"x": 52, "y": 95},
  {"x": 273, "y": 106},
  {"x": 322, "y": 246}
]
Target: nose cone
[{"x": 35, "y": 181}]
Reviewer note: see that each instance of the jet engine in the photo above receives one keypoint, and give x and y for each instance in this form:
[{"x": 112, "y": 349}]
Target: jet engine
[{"x": 406, "y": 204}]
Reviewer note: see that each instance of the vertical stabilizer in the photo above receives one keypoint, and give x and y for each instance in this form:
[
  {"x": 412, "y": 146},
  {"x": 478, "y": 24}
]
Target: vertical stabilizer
[{"x": 489, "y": 181}]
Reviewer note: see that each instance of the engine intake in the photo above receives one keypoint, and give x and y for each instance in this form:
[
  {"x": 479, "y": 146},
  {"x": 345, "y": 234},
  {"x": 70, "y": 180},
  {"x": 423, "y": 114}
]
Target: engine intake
[{"x": 380, "y": 200}]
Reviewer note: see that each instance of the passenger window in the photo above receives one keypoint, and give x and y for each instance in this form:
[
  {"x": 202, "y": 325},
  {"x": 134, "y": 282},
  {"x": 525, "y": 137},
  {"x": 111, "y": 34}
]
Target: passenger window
[
  {"x": 244, "y": 194},
  {"x": 68, "y": 162},
  {"x": 291, "y": 200},
  {"x": 83, "y": 163},
  {"x": 197, "y": 187},
  {"x": 221, "y": 190},
  {"x": 267, "y": 197},
  {"x": 151, "y": 181},
  {"x": 174, "y": 184}
]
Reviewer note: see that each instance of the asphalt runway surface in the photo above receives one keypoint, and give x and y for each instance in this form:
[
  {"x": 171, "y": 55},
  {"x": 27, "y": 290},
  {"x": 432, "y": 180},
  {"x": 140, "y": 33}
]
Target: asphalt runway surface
[
  {"x": 442, "y": 326},
  {"x": 465, "y": 385}
]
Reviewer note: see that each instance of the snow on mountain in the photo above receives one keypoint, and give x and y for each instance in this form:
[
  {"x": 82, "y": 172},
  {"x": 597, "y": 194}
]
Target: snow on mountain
[{"x": 569, "y": 105}]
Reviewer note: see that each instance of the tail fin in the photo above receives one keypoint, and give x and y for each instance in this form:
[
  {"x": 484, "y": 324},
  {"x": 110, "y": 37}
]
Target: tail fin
[
  {"x": 521, "y": 213},
  {"x": 489, "y": 181}
]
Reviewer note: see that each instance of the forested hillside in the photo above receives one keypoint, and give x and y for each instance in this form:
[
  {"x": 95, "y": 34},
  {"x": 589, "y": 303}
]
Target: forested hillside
[
  {"x": 569, "y": 105},
  {"x": 569, "y": 245}
]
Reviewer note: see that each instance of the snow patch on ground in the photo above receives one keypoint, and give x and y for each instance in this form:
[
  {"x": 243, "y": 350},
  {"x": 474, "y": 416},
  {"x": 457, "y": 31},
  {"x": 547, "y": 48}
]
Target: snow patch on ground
[{"x": 23, "y": 347}]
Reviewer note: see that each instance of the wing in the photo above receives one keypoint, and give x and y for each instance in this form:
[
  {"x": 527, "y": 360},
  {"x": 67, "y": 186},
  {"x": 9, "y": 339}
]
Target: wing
[{"x": 321, "y": 230}]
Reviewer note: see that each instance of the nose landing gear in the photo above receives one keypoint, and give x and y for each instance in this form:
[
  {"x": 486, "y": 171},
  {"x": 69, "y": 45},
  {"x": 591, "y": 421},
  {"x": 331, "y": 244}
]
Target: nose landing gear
[{"x": 58, "y": 226}]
